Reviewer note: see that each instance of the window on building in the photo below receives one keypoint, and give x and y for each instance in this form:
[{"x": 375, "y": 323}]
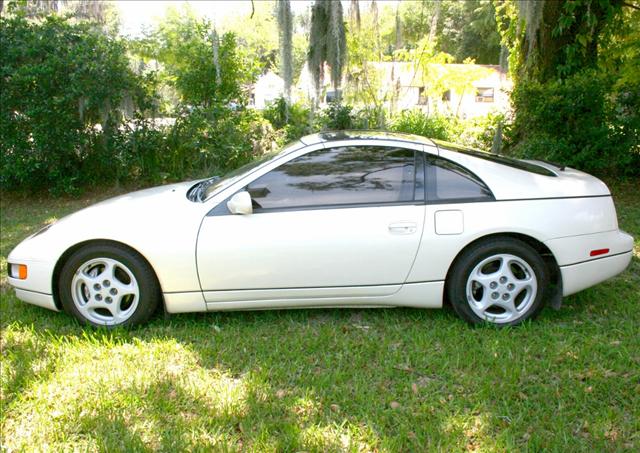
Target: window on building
[
  {"x": 423, "y": 99},
  {"x": 333, "y": 96},
  {"x": 484, "y": 95}
]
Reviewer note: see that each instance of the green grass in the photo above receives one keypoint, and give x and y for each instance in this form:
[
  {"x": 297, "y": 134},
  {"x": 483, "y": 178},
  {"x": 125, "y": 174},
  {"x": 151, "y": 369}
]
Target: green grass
[{"x": 323, "y": 380}]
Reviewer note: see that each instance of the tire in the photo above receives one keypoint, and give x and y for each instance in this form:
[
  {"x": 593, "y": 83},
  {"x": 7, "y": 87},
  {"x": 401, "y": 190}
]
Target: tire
[
  {"x": 108, "y": 285},
  {"x": 499, "y": 281}
]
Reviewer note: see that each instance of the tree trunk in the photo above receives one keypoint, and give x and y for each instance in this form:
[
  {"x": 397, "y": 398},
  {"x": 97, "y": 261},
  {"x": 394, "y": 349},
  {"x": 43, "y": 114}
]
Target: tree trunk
[
  {"x": 434, "y": 22},
  {"x": 544, "y": 51}
]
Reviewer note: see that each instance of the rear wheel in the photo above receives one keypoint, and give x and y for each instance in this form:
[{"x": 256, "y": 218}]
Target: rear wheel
[
  {"x": 498, "y": 281},
  {"x": 108, "y": 285}
]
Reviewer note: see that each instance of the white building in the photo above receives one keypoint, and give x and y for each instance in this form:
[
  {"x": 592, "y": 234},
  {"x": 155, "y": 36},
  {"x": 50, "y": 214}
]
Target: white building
[
  {"x": 465, "y": 90},
  {"x": 268, "y": 88}
]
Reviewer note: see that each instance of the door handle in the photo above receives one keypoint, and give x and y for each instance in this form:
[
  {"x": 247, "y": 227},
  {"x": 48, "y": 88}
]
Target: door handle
[{"x": 403, "y": 227}]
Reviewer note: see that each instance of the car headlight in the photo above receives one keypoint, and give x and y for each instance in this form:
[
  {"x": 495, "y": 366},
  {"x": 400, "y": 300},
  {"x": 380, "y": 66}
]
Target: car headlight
[{"x": 17, "y": 271}]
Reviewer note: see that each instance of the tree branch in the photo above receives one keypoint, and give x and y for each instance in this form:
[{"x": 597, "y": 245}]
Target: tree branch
[{"x": 631, "y": 5}]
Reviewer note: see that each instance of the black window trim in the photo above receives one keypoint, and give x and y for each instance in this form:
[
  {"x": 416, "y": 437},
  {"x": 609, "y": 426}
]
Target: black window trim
[{"x": 497, "y": 159}]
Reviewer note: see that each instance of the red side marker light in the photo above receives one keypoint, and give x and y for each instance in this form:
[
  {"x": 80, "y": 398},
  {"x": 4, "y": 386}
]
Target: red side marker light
[{"x": 598, "y": 252}]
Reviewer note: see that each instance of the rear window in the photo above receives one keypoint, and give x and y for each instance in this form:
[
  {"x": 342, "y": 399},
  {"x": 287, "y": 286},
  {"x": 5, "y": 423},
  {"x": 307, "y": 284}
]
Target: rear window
[
  {"x": 448, "y": 182},
  {"x": 497, "y": 158}
]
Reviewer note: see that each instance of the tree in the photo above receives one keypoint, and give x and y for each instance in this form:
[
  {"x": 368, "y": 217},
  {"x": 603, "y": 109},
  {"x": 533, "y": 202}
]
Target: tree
[
  {"x": 186, "y": 46},
  {"x": 100, "y": 12},
  {"x": 258, "y": 34},
  {"x": 550, "y": 39},
  {"x": 572, "y": 103},
  {"x": 285, "y": 25},
  {"x": 58, "y": 81},
  {"x": 327, "y": 43},
  {"x": 463, "y": 29}
]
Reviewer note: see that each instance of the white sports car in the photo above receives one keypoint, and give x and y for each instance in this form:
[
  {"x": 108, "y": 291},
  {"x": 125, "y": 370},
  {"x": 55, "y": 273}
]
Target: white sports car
[{"x": 343, "y": 219}]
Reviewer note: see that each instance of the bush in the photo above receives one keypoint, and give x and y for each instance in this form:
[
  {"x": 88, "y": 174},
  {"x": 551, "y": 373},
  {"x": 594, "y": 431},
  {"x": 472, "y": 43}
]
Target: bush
[
  {"x": 293, "y": 123},
  {"x": 335, "y": 117},
  {"x": 370, "y": 118},
  {"x": 434, "y": 126},
  {"x": 202, "y": 142},
  {"x": 577, "y": 122},
  {"x": 480, "y": 131},
  {"x": 58, "y": 81}
]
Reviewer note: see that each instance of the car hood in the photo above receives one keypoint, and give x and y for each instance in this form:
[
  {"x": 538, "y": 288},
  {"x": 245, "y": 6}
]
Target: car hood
[
  {"x": 140, "y": 206},
  {"x": 157, "y": 214}
]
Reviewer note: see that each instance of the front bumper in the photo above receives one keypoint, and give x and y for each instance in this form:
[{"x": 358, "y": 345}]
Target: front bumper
[
  {"x": 35, "y": 298},
  {"x": 36, "y": 288},
  {"x": 39, "y": 275}
]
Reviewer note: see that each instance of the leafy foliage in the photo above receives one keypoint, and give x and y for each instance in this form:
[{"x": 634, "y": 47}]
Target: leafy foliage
[
  {"x": 416, "y": 122},
  {"x": 574, "y": 98},
  {"x": 464, "y": 29},
  {"x": 63, "y": 88},
  {"x": 185, "y": 45},
  {"x": 292, "y": 121},
  {"x": 558, "y": 118}
]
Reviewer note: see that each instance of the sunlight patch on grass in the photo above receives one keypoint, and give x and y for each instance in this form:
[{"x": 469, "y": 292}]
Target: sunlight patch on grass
[
  {"x": 143, "y": 392},
  {"x": 334, "y": 437}
]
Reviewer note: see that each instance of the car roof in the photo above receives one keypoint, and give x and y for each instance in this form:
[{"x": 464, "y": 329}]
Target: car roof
[{"x": 332, "y": 136}]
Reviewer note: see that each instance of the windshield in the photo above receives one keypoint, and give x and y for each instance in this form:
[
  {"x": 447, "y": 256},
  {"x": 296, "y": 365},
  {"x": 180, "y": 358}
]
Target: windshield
[{"x": 236, "y": 174}]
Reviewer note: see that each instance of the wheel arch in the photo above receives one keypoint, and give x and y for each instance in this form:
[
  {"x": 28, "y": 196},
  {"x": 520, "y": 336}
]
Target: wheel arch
[
  {"x": 553, "y": 292},
  {"x": 55, "y": 279}
]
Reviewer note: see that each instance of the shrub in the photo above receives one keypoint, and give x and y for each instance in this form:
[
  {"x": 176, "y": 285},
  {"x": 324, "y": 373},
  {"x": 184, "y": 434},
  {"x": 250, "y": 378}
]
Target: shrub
[
  {"x": 335, "y": 116},
  {"x": 58, "y": 81},
  {"x": 293, "y": 123},
  {"x": 434, "y": 126},
  {"x": 370, "y": 118},
  {"x": 577, "y": 122},
  {"x": 479, "y": 132}
]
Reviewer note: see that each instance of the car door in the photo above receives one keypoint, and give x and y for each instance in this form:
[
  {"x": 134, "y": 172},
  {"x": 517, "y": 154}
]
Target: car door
[{"x": 339, "y": 220}]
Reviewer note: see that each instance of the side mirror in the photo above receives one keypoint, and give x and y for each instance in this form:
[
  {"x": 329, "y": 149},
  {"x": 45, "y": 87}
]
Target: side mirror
[{"x": 240, "y": 203}]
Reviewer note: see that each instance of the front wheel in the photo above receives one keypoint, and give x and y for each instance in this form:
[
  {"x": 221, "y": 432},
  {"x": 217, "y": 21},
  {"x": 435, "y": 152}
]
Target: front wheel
[
  {"x": 108, "y": 285},
  {"x": 498, "y": 281}
]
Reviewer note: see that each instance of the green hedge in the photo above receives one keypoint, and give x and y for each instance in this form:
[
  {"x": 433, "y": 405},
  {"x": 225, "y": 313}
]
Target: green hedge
[{"x": 582, "y": 121}]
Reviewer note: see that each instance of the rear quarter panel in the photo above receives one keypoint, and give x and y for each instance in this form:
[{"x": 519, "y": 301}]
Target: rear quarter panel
[{"x": 543, "y": 220}]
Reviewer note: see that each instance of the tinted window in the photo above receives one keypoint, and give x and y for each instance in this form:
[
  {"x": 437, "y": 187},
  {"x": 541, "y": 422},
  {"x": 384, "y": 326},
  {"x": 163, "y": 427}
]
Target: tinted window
[
  {"x": 447, "y": 181},
  {"x": 336, "y": 176}
]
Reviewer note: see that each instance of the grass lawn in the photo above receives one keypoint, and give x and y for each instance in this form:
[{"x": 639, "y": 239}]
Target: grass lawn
[{"x": 323, "y": 380}]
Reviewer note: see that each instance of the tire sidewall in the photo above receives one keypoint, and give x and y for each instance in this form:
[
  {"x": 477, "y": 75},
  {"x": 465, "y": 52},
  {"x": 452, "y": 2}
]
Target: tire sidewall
[
  {"x": 470, "y": 258},
  {"x": 149, "y": 293}
]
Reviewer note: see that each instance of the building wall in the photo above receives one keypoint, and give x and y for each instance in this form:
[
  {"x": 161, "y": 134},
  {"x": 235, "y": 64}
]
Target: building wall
[
  {"x": 465, "y": 105},
  {"x": 267, "y": 89}
]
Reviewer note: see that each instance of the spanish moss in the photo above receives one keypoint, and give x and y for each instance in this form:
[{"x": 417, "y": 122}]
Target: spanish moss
[{"x": 327, "y": 43}]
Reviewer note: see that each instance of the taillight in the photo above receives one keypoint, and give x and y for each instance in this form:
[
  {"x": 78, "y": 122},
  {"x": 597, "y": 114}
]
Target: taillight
[{"x": 598, "y": 252}]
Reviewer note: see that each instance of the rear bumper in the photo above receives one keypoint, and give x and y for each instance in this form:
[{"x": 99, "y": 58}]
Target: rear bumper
[
  {"x": 577, "y": 277},
  {"x": 35, "y": 298}
]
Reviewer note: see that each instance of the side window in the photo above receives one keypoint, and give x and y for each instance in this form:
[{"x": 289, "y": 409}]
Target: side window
[
  {"x": 449, "y": 182},
  {"x": 338, "y": 176}
]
